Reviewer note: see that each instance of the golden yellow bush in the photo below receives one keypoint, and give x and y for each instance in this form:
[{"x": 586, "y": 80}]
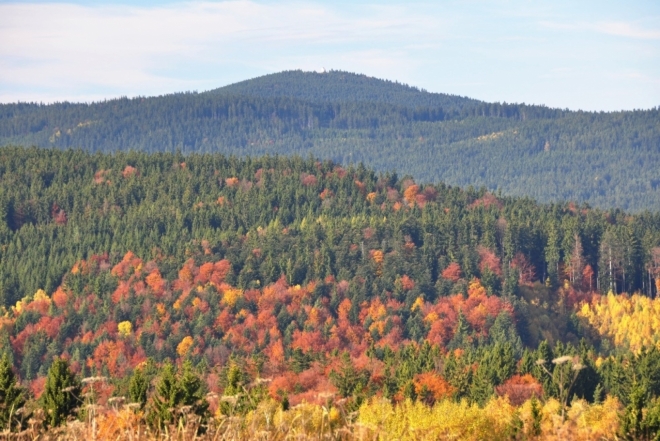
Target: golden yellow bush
[
  {"x": 269, "y": 421},
  {"x": 41, "y": 295},
  {"x": 595, "y": 421}
]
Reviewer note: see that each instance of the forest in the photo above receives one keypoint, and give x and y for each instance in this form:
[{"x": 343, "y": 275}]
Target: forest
[
  {"x": 608, "y": 160},
  {"x": 273, "y": 297}
]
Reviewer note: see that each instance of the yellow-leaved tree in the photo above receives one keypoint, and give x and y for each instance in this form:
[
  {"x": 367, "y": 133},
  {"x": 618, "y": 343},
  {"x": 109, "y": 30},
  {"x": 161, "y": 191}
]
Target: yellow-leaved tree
[
  {"x": 125, "y": 328},
  {"x": 185, "y": 345},
  {"x": 629, "y": 321}
]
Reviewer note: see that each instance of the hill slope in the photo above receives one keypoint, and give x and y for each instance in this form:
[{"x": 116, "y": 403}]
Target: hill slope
[
  {"x": 270, "y": 282},
  {"x": 606, "y": 159}
]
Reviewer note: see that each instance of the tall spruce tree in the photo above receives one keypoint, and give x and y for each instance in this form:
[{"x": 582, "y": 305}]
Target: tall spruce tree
[
  {"x": 166, "y": 399},
  {"x": 192, "y": 392},
  {"x": 12, "y": 399},
  {"x": 174, "y": 391},
  {"x": 138, "y": 387},
  {"x": 62, "y": 394}
]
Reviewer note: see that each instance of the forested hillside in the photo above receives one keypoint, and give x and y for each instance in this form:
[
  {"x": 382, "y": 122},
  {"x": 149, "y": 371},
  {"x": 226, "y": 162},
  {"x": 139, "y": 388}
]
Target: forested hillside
[
  {"x": 219, "y": 294},
  {"x": 345, "y": 87},
  {"x": 58, "y": 207},
  {"x": 608, "y": 160}
]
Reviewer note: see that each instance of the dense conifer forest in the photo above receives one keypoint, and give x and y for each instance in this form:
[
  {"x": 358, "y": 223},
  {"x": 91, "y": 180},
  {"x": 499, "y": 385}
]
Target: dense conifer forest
[
  {"x": 608, "y": 160},
  {"x": 224, "y": 296}
]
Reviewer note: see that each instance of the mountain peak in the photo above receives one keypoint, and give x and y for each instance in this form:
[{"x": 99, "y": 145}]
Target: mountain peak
[{"x": 341, "y": 86}]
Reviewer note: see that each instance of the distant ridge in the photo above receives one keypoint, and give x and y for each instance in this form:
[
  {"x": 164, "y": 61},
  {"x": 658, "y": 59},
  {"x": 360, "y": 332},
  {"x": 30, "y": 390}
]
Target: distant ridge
[{"x": 608, "y": 160}]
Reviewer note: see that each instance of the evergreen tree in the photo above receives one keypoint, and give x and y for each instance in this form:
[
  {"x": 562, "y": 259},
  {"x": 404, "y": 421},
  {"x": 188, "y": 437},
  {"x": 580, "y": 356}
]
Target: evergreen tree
[
  {"x": 349, "y": 381},
  {"x": 167, "y": 397},
  {"x": 13, "y": 415},
  {"x": 504, "y": 331},
  {"x": 299, "y": 361},
  {"x": 138, "y": 388},
  {"x": 236, "y": 391},
  {"x": 459, "y": 374},
  {"x": 61, "y": 396},
  {"x": 552, "y": 254},
  {"x": 537, "y": 417},
  {"x": 192, "y": 392},
  {"x": 641, "y": 420},
  {"x": 481, "y": 388},
  {"x": 461, "y": 337}
]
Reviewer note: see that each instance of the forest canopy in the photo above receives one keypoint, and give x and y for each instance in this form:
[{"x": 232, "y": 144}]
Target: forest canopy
[{"x": 243, "y": 288}]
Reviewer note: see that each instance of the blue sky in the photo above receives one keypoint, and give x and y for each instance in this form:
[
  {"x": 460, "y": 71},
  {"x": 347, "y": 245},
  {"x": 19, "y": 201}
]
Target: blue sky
[{"x": 591, "y": 55}]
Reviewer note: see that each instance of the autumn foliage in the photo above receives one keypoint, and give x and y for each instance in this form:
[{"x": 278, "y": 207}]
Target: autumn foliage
[
  {"x": 328, "y": 291},
  {"x": 166, "y": 315},
  {"x": 452, "y": 272},
  {"x": 520, "y": 388},
  {"x": 628, "y": 321}
]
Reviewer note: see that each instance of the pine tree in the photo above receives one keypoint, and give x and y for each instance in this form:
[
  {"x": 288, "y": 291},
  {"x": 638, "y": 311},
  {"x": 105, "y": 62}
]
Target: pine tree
[
  {"x": 12, "y": 399},
  {"x": 461, "y": 337},
  {"x": 481, "y": 388},
  {"x": 167, "y": 397},
  {"x": 537, "y": 416},
  {"x": 138, "y": 387},
  {"x": 552, "y": 254},
  {"x": 299, "y": 361},
  {"x": 62, "y": 393},
  {"x": 349, "y": 380},
  {"x": 235, "y": 380},
  {"x": 544, "y": 353},
  {"x": 504, "y": 331},
  {"x": 192, "y": 392},
  {"x": 633, "y": 424}
]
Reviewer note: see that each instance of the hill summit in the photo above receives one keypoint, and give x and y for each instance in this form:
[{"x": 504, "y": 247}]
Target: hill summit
[{"x": 339, "y": 86}]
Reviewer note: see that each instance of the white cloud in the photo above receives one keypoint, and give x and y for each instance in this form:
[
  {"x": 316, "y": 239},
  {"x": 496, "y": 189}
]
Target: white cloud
[
  {"x": 629, "y": 30},
  {"x": 140, "y": 50},
  {"x": 614, "y": 28},
  {"x": 496, "y": 50}
]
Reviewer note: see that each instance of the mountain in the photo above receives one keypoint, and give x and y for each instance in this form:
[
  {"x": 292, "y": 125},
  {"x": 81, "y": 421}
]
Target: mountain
[
  {"x": 339, "y": 87},
  {"x": 608, "y": 160}
]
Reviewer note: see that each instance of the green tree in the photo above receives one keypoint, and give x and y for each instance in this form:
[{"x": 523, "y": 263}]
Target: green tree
[
  {"x": 62, "y": 393},
  {"x": 537, "y": 416},
  {"x": 12, "y": 399},
  {"x": 349, "y": 380},
  {"x": 641, "y": 419},
  {"x": 552, "y": 254},
  {"x": 167, "y": 397},
  {"x": 239, "y": 396},
  {"x": 504, "y": 331},
  {"x": 461, "y": 337},
  {"x": 192, "y": 392},
  {"x": 138, "y": 388}
]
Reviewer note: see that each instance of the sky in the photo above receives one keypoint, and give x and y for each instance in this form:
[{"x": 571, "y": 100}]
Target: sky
[{"x": 579, "y": 54}]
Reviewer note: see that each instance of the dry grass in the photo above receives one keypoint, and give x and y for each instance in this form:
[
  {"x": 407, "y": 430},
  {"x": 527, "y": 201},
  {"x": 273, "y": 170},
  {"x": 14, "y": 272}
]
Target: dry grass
[{"x": 376, "y": 420}]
